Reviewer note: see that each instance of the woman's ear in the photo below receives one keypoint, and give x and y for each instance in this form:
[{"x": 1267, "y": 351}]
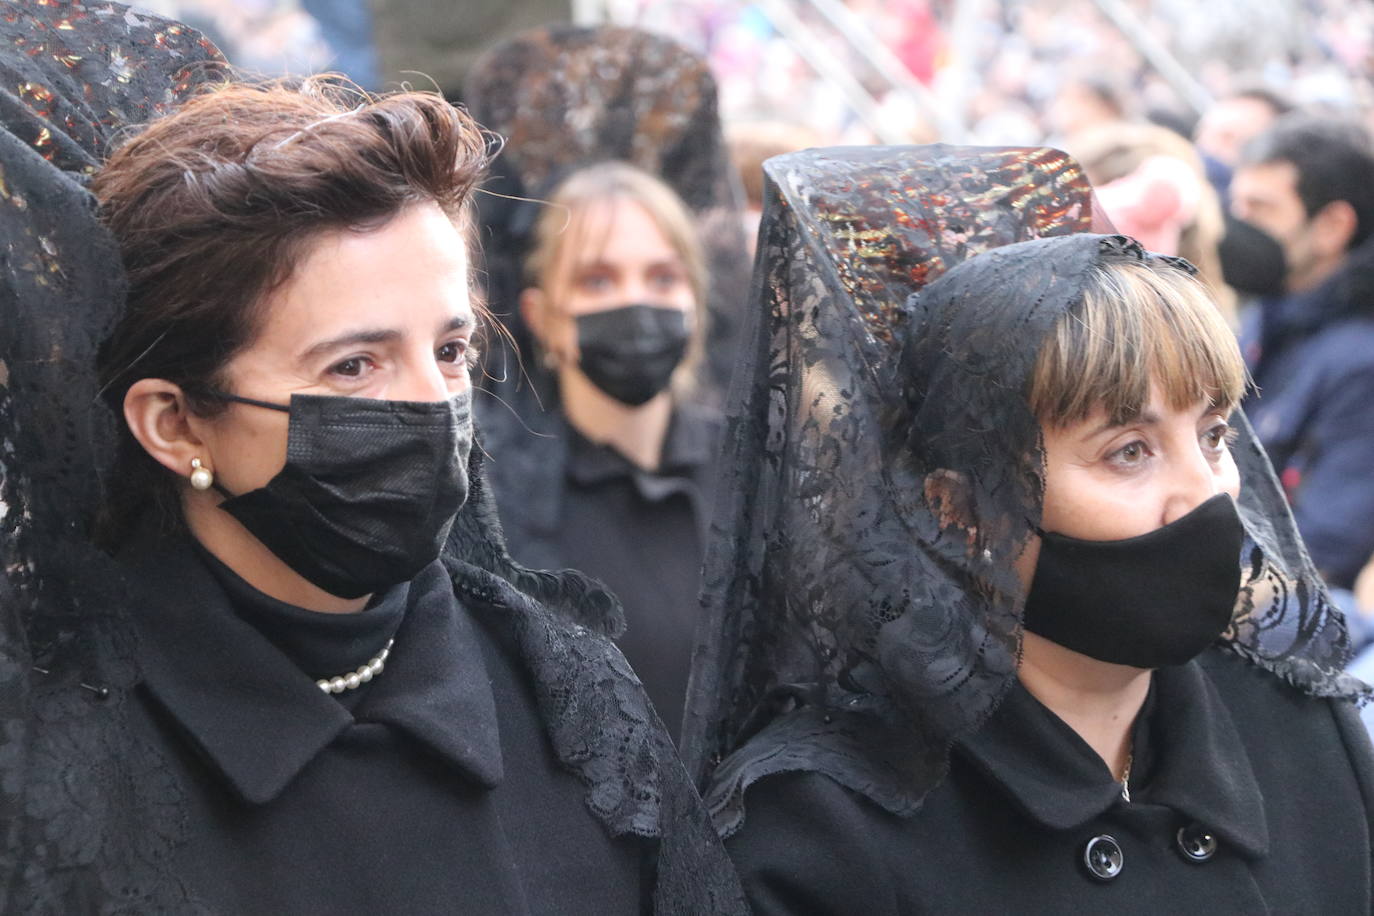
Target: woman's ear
[
  {"x": 160, "y": 420},
  {"x": 552, "y": 332},
  {"x": 532, "y": 305}
]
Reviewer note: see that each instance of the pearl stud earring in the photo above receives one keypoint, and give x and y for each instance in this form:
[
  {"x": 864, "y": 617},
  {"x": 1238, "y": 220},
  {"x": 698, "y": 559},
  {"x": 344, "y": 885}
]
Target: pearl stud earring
[{"x": 201, "y": 478}]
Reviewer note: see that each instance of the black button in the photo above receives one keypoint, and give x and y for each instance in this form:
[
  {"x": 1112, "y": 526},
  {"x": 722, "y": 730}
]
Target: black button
[
  {"x": 1103, "y": 857},
  {"x": 1196, "y": 843}
]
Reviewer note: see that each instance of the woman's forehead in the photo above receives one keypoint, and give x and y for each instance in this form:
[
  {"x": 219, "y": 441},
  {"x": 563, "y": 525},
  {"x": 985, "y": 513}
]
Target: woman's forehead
[
  {"x": 410, "y": 274},
  {"x": 614, "y": 230}
]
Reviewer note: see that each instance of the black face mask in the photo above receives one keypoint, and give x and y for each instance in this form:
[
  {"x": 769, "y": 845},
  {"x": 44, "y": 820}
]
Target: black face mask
[
  {"x": 630, "y": 352},
  {"x": 1252, "y": 261},
  {"x": 369, "y": 491},
  {"x": 1158, "y": 599}
]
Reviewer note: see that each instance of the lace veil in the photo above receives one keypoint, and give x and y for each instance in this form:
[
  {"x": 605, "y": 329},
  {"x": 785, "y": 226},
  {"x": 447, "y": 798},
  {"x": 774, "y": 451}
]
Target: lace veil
[
  {"x": 567, "y": 97},
  {"x": 87, "y": 812},
  {"x": 860, "y": 608},
  {"x": 82, "y": 803}
]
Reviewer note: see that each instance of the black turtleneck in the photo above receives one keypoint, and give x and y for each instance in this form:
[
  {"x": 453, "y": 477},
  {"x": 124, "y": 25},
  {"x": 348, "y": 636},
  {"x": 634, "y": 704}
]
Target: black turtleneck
[{"x": 324, "y": 645}]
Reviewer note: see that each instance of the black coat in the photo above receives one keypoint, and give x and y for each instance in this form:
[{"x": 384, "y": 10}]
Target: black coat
[
  {"x": 437, "y": 793},
  {"x": 568, "y": 503},
  {"x": 1247, "y": 797}
]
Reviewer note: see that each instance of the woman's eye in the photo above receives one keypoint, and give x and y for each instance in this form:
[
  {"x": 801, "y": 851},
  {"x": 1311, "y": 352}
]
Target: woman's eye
[
  {"x": 1130, "y": 454},
  {"x": 594, "y": 282},
  {"x": 1219, "y": 437},
  {"x": 458, "y": 351},
  {"x": 352, "y": 367},
  {"x": 665, "y": 280}
]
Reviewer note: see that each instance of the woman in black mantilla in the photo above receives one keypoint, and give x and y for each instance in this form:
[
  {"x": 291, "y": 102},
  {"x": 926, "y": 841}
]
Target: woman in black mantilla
[
  {"x": 1000, "y": 621},
  {"x": 566, "y": 98},
  {"x": 615, "y": 254},
  {"x": 305, "y": 677}
]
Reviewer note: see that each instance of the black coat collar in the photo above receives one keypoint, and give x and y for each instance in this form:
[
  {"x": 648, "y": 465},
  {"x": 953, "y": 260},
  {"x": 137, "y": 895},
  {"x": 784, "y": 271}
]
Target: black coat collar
[
  {"x": 259, "y": 719},
  {"x": 1199, "y": 765},
  {"x": 536, "y": 463},
  {"x": 687, "y": 447}
]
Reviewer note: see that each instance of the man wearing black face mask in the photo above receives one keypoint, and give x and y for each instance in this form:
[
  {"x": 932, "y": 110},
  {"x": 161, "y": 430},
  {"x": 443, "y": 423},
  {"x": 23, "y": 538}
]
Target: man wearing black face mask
[{"x": 1309, "y": 184}]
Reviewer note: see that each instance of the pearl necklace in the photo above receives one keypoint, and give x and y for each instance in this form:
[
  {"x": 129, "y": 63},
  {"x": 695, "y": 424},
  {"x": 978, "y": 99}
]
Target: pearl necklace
[{"x": 354, "y": 679}]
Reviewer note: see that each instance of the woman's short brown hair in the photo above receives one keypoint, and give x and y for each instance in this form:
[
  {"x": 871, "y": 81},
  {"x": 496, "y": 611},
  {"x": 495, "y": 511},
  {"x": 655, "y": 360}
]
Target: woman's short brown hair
[
  {"x": 1138, "y": 323},
  {"x": 214, "y": 205}
]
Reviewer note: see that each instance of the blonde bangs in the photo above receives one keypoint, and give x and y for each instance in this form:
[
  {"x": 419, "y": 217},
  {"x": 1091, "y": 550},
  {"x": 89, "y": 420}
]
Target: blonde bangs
[{"x": 1137, "y": 324}]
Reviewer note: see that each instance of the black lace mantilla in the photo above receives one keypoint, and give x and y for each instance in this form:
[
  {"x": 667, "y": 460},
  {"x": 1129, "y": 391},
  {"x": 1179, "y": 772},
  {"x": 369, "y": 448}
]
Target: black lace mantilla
[
  {"x": 860, "y": 607},
  {"x": 89, "y": 813},
  {"x": 599, "y": 718}
]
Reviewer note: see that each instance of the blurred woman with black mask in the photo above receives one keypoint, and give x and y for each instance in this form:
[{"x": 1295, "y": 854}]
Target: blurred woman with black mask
[
  {"x": 598, "y": 411},
  {"x": 616, "y": 307}
]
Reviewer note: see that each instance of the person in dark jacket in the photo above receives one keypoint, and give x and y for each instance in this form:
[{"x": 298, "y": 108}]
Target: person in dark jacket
[
  {"x": 1014, "y": 629},
  {"x": 308, "y": 679},
  {"x": 616, "y": 303},
  {"x": 604, "y": 426},
  {"x": 1309, "y": 183}
]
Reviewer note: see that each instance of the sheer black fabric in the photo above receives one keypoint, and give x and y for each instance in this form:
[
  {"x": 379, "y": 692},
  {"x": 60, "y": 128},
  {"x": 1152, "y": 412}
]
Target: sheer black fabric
[
  {"x": 88, "y": 816},
  {"x": 88, "y": 812},
  {"x": 860, "y": 606},
  {"x": 568, "y": 97},
  {"x": 597, "y": 715}
]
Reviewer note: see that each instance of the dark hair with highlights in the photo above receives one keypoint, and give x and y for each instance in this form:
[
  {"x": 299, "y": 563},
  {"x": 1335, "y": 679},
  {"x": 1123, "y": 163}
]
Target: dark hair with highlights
[
  {"x": 214, "y": 205},
  {"x": 1139, "y": 323}
]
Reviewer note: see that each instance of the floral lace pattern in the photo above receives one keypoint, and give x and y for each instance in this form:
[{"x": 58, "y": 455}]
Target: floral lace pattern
[
  {"x": 598, "y": 717},
  {"x": 88, "y": 812},
  {"x": 862, "y": 611}
]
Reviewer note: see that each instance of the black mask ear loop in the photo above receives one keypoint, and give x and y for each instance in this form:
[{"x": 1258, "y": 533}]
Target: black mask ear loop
[
  {"x": 284, "y": 408},
  {"x": 252, "y": 402}
]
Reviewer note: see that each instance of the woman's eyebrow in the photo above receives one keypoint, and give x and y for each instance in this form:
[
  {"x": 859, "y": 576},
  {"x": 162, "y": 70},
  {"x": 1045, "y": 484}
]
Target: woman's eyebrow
[
  {"x": 1144, "y": 418},
  {"x": 1213, "y": 406},
  {"x": 373, "y": 336},
  {"x": 456, "y": 323},
  {"x": 352, "y": 338}
]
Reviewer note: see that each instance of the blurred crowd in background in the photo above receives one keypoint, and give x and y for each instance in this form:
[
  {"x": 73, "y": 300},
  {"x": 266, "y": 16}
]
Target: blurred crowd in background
[
  {"x": 998, "y": 71},
  {"x": 1009, "y": 71}
]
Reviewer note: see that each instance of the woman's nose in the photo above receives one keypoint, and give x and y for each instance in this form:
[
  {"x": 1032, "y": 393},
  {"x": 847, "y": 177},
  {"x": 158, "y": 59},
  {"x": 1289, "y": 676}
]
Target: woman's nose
[
  {"x": 424, "y": 381},
  {"x": 1193, "y": 481}
]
